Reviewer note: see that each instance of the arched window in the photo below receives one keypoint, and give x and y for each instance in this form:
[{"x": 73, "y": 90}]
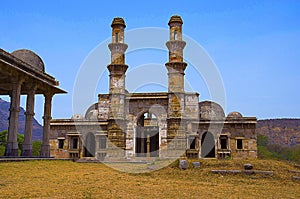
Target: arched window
[
  {"x": 117, "y": 37},
  {"x": 175, "y": 35}
]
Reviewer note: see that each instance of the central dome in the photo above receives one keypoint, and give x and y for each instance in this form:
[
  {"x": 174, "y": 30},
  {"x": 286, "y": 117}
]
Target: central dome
[
  {"x": 30, "y": 58},
  {"x": 211, "y": 111}
]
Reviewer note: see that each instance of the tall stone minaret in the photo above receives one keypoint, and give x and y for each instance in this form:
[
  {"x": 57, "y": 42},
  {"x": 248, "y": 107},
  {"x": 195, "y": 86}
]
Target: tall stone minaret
[
  {"x": 117, "y": 69},
  {"x": 176, "y": 124},
  {"x": 175, "y": 66}
]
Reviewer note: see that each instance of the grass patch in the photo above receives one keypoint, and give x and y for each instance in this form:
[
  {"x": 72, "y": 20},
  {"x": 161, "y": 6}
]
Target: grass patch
[{"x": 63, "y": 179}]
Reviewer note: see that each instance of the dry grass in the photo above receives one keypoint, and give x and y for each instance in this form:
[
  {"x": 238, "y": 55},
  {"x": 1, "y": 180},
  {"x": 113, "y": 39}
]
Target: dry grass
[{"x": 63, "y": 179}]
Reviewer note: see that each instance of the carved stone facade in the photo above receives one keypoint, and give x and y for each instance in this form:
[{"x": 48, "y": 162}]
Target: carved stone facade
[{"x": 124, "y": 125}]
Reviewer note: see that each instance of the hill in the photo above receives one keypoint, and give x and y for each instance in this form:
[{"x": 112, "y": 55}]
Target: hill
[
  {"x": 37, "y": 129},
  {"x": 285, "y": 132}
]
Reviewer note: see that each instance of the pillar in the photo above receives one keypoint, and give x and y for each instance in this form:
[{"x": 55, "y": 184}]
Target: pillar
[
  {"x": 45, "y": 149},
  {"x": 12, "y": 143},
  {"x": 27, "y": 144}
]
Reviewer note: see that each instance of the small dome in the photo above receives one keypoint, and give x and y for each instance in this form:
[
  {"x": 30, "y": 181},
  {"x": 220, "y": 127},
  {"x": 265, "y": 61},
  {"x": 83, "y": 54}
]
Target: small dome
[
  {"x": 235, "y": 115},
  {"x": 175, "y": 19},
  {"x": 77, "y": 117},
  {"x": 211, "y": 111},
  {"x": 92, "y": 112},
  {"x": 30, "y": 58},
  {"x": 118, "y": 21}
]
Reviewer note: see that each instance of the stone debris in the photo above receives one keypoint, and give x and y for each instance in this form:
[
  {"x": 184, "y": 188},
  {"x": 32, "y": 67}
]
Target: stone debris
[
  {"x": 251, "y": 172},
  {"x": 183, "y": 164},
  {"x": 248, "y": 172},
  {"x": 294, "y": 171},
  {"x": 297, "y": 178},
  {"x": 151, "y": 168},
  {"x": 248, "y": 166},
  {"x": 226, "y": 171},
  {"x": 196, "y": 164}
]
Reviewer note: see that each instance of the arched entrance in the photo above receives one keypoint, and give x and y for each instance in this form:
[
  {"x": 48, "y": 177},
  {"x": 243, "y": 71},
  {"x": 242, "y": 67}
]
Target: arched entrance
[
  {"x": 208, "y": 145},
  {"x": 147, "y": 136},
  {"x": 89, "y": 145}
]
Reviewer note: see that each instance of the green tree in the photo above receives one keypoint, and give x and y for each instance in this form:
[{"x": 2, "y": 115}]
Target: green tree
[
  {"x": 264, "y": 153},
  {"x": 20, "y": 139},
  {"x": 262, "y": 140},
  {"x": 296, "y": 153},
  {"x": 36, "y": 145},
  {"x": 3, "y": 142},
  {"x": 36, "y": 148}
]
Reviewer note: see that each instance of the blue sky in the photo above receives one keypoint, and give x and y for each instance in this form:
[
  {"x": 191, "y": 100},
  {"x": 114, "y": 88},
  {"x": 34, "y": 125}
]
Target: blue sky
[{"x": 254, "y": 44}]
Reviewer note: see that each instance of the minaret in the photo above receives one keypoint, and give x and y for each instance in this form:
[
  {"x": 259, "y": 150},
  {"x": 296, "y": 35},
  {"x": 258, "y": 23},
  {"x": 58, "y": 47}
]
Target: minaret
[
  {"x": 117, "y": 69},
  {"x": 175, "y": 66},
  {"x": 176, "y": 138}
]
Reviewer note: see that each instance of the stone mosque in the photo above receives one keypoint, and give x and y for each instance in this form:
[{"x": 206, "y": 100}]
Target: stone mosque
[{"x": 123, "y": 125}]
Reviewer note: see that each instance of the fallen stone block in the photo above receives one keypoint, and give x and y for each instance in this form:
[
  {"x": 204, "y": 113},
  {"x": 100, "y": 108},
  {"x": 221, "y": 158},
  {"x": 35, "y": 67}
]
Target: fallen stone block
[
  {"x": 247, "y": 172},
  {"x": 294, "y": 171},
  {"x": 297, "y": 178},
  {"x": 251, "y": 172},
  {"x": 151, "y": 168},
  {"x": 196, "y": 164},
  {"x": 226, "y": 171},
  {"x": 248, "y": 166}
]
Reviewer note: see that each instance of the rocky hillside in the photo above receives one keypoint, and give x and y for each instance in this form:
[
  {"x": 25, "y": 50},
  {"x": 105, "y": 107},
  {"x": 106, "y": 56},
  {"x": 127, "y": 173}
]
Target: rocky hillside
[
  {"x": 285, "y": 132},
  {"x": 37, "y": 130}
]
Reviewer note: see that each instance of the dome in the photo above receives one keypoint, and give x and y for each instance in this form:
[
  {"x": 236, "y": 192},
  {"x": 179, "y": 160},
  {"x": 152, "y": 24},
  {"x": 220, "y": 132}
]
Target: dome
[
  {"x": 77, "y": 117},
  {"x": 211, "y": 111},
  {"x": 30, "y": 58},
  {"x": 175, "y": 19},
  {"x": 235, "y": 115},
  {"x": 92, "y": 112},
  {"x": 118, "y": 21}
]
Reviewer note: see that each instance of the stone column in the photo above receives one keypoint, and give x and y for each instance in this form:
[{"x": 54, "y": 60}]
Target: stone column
[
  {"x": 45, "y": 149},
  {"x": 27, "y": 144},
  {"x": 12, "y": 144}
]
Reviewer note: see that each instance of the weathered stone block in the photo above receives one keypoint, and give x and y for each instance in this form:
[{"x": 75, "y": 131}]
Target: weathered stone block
[
  {"x": 296, "y": 178},
  {"x": 183, "y": 164},
  {"x": 196, "y": 164},
  {"x": 248, "y": 166}
]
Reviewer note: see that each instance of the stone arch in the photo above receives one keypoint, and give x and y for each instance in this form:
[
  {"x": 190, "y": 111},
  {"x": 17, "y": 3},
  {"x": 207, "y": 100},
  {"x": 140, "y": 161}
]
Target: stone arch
[
  {"x": 89, "y": 145},
  {"x": 208, "y": 147},
  {"x": 146, "y": 135}
]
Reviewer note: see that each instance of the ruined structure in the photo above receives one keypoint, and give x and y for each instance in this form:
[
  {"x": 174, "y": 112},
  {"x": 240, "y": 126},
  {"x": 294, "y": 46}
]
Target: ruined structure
[
  {"x": 22, "y": 72},
  {"x": 166, "y": 124}
]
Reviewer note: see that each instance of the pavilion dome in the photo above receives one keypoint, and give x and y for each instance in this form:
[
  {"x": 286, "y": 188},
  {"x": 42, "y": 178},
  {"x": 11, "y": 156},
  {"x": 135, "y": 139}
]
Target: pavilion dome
[{"x": 30, "y": 58}]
